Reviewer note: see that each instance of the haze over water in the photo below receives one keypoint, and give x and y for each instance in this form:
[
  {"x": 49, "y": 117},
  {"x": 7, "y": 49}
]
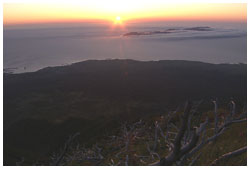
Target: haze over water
[{"x": 32, "y": 47}]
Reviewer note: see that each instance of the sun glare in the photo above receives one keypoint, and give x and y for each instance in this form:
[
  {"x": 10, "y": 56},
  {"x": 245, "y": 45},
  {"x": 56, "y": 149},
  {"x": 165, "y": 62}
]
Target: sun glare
[{"x": 118, "y": 18}]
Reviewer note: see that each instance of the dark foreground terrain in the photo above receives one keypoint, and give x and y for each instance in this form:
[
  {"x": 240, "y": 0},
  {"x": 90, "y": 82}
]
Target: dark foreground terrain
[{"x": 41, "y": 109}]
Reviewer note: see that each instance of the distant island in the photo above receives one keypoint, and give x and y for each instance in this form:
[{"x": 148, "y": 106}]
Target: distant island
[{"x": 170, "y": 30}]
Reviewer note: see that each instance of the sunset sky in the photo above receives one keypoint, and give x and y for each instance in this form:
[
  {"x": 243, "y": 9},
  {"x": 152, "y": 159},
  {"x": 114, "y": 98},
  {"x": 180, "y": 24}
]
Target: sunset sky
[{"x": 110, "y": 10}]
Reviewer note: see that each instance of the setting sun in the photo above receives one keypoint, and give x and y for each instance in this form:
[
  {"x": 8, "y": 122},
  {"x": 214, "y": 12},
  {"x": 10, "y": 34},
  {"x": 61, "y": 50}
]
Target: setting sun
[
  {"x": 118, "y": 21},
  {"x": 118, "y": 18}
]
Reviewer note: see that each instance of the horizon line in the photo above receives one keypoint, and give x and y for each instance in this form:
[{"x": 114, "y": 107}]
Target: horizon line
[{"x": 129, "y": 21}]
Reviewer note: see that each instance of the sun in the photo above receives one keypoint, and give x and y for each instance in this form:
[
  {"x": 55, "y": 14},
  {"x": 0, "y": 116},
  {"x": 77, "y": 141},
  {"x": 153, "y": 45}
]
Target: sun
[
  {"x": 118, "y": 21},
  {"x": 118, "y": 18}
]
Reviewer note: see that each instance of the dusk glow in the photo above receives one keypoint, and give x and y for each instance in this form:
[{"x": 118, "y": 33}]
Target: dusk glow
[{"x": 127, "y": 10}]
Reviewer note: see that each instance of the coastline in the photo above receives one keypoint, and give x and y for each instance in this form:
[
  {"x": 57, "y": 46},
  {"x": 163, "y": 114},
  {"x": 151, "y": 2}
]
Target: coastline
[{"x": 12, "y": 70}]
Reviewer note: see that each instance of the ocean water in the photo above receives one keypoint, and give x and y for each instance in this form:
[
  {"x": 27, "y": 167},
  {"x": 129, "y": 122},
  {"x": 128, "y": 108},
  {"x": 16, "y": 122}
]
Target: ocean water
[{"x": 33, "y": 47}]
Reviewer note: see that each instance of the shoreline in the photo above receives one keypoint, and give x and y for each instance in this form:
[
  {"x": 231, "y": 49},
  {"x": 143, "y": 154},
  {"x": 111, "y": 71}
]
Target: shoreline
[{"x": 12, "y": 70}]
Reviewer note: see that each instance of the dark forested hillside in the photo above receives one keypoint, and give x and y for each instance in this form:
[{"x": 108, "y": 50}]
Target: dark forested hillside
[{"x": 93, "y": 97}]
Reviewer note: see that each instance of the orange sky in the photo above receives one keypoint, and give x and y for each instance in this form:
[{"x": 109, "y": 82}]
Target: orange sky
[{"x": 15, "y": 13}]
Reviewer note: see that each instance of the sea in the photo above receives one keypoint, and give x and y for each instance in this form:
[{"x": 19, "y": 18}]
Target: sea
[{"x": 28, "y": 48}]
